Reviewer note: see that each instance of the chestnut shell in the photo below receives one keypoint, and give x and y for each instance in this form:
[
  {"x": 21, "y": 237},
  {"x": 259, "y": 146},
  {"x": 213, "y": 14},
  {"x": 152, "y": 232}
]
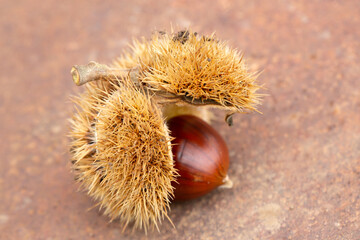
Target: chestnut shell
[{"x": 200, "y": 154}]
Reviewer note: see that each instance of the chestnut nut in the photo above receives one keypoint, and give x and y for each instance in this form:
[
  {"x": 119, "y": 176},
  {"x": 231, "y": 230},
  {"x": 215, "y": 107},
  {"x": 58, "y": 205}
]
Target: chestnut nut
[{"x": 200, "y": 156}]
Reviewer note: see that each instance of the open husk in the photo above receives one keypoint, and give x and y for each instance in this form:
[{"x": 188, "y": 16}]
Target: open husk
[
  {"x": 121, "y": 153},
  {"x": 120, "y": 145}
]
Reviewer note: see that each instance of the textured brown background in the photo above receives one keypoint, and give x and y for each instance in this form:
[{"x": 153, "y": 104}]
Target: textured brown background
[{"x": 296, "y": 167}]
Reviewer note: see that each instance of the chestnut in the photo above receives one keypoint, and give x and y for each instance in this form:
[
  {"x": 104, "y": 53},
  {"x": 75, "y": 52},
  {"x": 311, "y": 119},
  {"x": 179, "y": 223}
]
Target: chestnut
[
  {"x": 122, "y": 152},
  {"x": 201, "y": 157}
]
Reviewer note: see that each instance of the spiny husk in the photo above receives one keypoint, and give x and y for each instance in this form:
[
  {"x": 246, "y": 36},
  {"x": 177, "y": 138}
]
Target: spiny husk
[
  {"x": 194, "y": 69},
  {"x": 121, "y": 153}
]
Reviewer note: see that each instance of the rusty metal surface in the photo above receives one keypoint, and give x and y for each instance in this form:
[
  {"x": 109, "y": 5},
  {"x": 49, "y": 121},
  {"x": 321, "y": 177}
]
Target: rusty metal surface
[{"x": 296, "y": 167}]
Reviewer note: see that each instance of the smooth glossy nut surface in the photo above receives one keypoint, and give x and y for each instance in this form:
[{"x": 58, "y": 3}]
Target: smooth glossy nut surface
[{"x": 200, "y": 154}]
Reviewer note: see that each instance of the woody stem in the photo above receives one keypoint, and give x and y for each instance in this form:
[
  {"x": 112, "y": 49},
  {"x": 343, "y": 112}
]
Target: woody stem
[{"x": 94, "y": 71}]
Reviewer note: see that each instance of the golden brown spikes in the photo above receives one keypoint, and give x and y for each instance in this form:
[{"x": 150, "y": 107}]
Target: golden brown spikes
[
  {"x": 122, "y": 154},
  {"x": 198, "y": 70},
  {"x": 120, "y": 145}
]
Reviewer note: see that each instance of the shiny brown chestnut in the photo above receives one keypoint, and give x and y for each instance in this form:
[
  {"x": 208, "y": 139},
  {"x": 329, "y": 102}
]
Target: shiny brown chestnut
[{"x": 200, "y": 155}]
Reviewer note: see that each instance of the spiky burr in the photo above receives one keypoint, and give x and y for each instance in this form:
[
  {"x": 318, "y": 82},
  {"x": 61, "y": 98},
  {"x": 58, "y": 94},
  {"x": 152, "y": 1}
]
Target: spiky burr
[{"x": 120, "y": 144}]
